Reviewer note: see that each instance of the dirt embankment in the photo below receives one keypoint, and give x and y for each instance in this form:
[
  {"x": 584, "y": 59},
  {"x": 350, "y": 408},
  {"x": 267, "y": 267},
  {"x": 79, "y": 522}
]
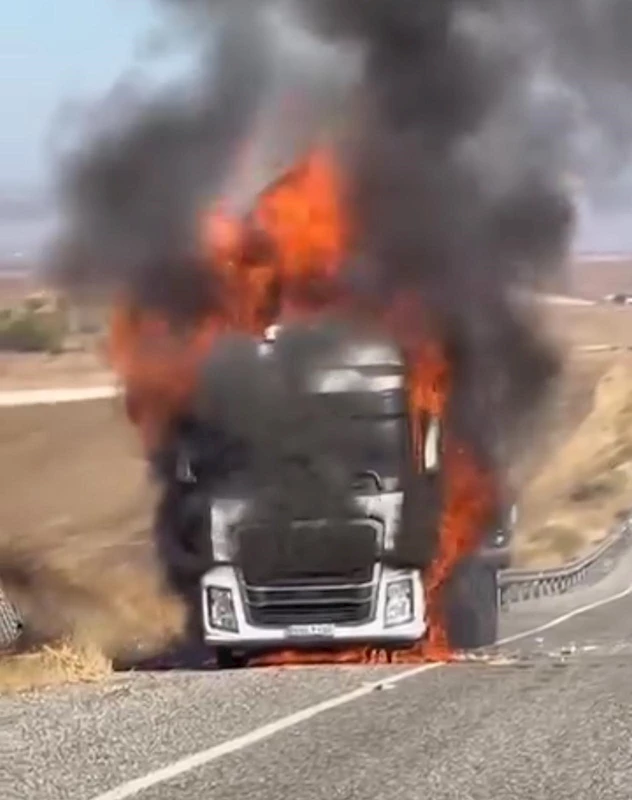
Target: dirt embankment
[
  {"x": 42, "y": 371},
  {"x": 582, "y": 476},
  {"x": 75, "y": 550}
]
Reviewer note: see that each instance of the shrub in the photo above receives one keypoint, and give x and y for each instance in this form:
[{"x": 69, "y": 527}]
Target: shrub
[{"x": 27, "y": 331}]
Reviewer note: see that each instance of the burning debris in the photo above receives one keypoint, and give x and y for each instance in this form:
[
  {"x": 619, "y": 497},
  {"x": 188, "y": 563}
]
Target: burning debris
[{"x": 410, "y": 198}]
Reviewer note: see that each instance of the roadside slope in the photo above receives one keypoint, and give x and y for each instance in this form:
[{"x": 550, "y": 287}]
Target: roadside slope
[
  {"x": 74, "y": 520},
  {"x": 585, "y": 482}
]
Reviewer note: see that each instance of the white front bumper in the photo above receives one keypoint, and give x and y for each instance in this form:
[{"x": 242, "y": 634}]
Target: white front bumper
[{"x": 373, "y": 631}]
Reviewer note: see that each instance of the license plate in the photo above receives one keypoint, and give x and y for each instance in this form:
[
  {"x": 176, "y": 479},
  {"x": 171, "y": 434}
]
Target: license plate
[{"x": 315, "y": 631}]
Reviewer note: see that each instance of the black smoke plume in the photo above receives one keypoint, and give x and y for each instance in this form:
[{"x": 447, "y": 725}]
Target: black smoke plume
[
  {"x": 467, "y": 117},
  {"x": 458, "y": 123},
  {"x": 133, "y": 193}
]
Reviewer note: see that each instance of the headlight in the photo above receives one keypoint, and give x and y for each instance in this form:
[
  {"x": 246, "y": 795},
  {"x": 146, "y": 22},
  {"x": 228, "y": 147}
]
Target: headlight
[
  {"x": 221, "y": 609},
  {"x": 399, "y": 608}
]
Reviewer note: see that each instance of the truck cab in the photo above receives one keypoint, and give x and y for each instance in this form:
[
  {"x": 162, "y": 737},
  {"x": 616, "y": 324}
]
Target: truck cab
[
  {"x": 323, "y": 582},
  {"x": 342, "y": 591}
]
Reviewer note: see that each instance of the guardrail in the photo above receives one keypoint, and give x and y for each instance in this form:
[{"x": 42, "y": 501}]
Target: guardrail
[{"x": 515, "y": 585}]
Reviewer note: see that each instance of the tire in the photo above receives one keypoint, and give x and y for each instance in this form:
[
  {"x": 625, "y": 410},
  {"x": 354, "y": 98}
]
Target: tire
[
  {"x": 472, "y": 605},
  {"x": 227, "y": 658}
]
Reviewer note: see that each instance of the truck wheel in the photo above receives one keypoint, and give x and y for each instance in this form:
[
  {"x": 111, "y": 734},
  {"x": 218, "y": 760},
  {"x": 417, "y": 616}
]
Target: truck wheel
[
  {"x": 227, "y": 658},
  {"x": 472, "y": 605}
]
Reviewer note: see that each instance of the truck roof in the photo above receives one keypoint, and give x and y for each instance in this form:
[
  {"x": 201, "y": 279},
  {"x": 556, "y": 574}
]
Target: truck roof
[
  {"x": 355, "y": 351},
  {"x": 359, "y": 364}
]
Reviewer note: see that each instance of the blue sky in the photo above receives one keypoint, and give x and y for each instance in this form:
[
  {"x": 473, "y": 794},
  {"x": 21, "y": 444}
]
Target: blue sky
[{"x": 52, "y": 51}]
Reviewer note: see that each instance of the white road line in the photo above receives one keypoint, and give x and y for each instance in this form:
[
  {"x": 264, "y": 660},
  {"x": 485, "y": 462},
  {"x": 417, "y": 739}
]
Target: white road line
[
  {"x": 252, "y": 737},
  {"x": 204, "y": 757},
  {"x": 36, "y": 397},
  {"x": 559, "y": 620},
  {"x": 565, "y": 300}
]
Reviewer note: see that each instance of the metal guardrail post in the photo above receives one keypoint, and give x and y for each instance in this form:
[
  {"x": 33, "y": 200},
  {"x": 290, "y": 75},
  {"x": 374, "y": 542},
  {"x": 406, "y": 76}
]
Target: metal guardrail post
[{"x": 522, "y": 584}]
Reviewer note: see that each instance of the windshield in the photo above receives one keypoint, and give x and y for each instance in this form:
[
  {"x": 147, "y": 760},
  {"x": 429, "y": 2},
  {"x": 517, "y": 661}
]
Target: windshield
[
  {"x": 370, "y": 441},
  {"x": 374, "y": 430},
  {"x": 380, "y": 451}
]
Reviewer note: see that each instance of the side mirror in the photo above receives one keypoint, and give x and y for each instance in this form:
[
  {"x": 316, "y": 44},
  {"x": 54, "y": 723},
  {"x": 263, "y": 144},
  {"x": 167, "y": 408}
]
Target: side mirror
[
  {"x": 427, "y": 444},
  {"x": 184, "y": 470},
  {"x": 513, "y": 515},
  {"x": 432, "y": 446}
]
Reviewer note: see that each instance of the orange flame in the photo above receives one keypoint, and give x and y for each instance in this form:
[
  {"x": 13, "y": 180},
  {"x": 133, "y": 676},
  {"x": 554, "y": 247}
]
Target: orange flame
[
  {"x": 158, "y": 367},
  {"x": 308, "y": 234},
  {"x": 296, "y": 274}
]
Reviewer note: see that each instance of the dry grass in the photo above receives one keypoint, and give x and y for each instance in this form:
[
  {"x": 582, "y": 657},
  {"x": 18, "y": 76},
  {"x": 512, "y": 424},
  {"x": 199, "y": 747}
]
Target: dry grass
[
  {"x": 585, "y": 481},
  {"x": 53, "y": 666},
  {"x": 576, "y": 475},
  {"x": 75, "y": 550}
]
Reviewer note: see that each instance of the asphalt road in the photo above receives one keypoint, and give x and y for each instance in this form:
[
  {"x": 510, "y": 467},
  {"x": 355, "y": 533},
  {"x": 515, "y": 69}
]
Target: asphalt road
[{"x": 548, "y": 716}]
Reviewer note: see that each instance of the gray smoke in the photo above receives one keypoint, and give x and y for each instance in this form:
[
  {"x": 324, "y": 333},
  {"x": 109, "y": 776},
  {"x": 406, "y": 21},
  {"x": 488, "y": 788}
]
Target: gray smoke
[
  {"x": 133, "y": 193},
  {"x": 475, "y": 114},
  {"x": 458, "y": 121},
  {"x": 572, "y": 58},
  {"x": 303, "y": 452},
  {"x": 584, "y": 49}
]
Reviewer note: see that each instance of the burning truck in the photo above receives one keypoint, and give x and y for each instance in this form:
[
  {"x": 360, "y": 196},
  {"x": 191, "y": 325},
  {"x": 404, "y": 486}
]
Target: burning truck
[
  {"x": 333, "y": 370},
  {"x": 314, "y": 496},
  {"x": 320, "y": 575}
]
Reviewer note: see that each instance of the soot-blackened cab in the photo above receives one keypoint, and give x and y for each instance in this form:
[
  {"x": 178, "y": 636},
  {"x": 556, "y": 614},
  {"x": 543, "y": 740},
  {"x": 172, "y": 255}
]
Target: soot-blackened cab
[{"x": 333, "y": 582}]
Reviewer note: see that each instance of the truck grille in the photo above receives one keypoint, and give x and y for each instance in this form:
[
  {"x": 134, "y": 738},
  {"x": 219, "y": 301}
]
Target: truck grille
[
  {"x": 306, "y": 552},
  {"x": 310, "y": 603}
]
